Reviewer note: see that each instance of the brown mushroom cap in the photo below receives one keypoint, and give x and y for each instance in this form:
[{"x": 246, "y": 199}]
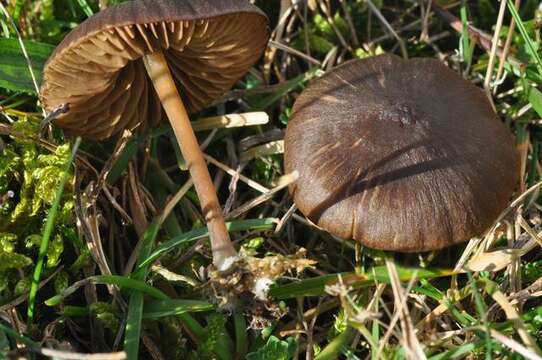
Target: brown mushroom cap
[
  {"x": 98, "y": 70},
  {"x": 401, "y": 155}
]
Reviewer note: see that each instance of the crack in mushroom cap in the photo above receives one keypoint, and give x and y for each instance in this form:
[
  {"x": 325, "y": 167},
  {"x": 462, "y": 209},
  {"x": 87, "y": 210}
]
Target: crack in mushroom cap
[
  {"x": 401, "y": 155},
  {"x": 97, "y": 69}
]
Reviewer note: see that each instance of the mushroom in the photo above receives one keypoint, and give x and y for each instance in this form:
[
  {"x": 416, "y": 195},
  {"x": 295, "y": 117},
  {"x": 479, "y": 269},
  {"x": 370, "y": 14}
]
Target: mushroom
[
  {"x": 401, "y": 155},
  {"x": 104, "y": 69}
]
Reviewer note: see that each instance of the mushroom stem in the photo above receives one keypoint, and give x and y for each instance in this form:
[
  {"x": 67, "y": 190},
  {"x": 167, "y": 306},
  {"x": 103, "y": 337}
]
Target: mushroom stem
[{"x": 221, "y": 245}]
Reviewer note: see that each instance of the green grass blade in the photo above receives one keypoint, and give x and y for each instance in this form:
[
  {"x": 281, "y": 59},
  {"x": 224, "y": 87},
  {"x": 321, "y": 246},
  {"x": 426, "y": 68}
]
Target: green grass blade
[
  {"x": 132, "y": 331},
  {"x": 196, "y": 234},
  {"x": 14, "y": 70},
  {"x": 160, "y": 308},
  {"x": 334, "y": 348},
  {"x": 135, "y": 307},
  {"x": 120, "y": 281},
  {"x": 19, "y": 337},
  {"x": 264, "y": 102},
  {"x": 149, "y": 237},
  {"x": 75, "y": 311},
  {"x": 83, "y": 4},
  {"x": 135, "y": 304},
  {"x": 127, "y": 283},
  {"x": 129, "y": 151},
  {"x": 192, "y": 325},
  {"x": 460, "y": 352},
  {"x": 465, "y": 39},
  {"x": 528, "y": 41},
  {"x": 535, "y": 99},
  {"x": 481, "y": 309},
  {"x": 315, "y": 286},
  {"x": 241, "y": 338},
  {"x": 51, "y": 217}
]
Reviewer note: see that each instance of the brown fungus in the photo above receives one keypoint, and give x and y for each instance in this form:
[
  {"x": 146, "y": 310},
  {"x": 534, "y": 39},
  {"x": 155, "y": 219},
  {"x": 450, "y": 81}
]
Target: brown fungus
[
  {"x": 98, "y": 68},
  {"x": 401, "y": 155},
  {"x": 119, "y": 67}
]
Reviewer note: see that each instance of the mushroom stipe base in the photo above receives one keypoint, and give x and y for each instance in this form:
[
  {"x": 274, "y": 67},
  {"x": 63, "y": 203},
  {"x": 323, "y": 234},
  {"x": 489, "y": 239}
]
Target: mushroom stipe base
[{"x": 159, "y": 73}]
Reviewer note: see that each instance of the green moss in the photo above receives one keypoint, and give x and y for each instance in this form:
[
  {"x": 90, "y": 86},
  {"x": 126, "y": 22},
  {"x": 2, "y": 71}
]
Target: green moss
[
  {"x": 216, "y": 329},
  {"x": 29, "y": 177},
  {"x": 106, "y": 314}
]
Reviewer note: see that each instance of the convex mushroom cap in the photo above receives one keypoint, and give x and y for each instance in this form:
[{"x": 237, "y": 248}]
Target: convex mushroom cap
[
  {"x": 98, "y": 68},
  {"x": 401, "y": 155}
]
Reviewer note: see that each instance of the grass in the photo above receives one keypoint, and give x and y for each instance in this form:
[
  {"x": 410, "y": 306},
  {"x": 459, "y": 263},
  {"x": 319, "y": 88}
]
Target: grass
[
  {"x": 44, "y": 245},
  {"x": 124, "y": 249}
]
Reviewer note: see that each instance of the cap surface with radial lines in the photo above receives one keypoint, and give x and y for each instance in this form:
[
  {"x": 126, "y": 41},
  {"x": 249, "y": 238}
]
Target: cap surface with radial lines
[
  {"x": 97, "y": 69},
  {"x": 401, "y": 155}
]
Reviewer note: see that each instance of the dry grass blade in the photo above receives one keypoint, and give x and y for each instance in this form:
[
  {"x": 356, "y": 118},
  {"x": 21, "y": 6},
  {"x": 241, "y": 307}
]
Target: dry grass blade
[
  {"x": 174, "y": 200},
  {"x": 293, "y": 51},
  {"x": 57, "y": 354},
  {"x": 287, "y": 215},
  {"x": 308, "y": 315},
  {"x": 410, "y": 341},
  {"x": 533, "y": 290},
  {"x": 473, "y": 246},
  {"x": 512, "y": 315},
  {"x": 286, "y": 9},
  {"x": 514, "y": 345},
  {"x": 356, "y": 316},
  {"x": 441, "y": 309},
  {"x": 138, "y": 211},
  {"x": 507, "y": 44},
  {"x": 231, "y": 121},
  {"x": 106, "y": 169},
  {"x": 253, "y": 184},
  {"x": 483, "y": 39},
  {"x": 499, "y": 259},
  {"x": 135, "y": 201},
  {"x": 493, "y": 51},
  {"x": 151, "y": 347},
  {"x": 530, "y": 231},
  {"x": 272, "y": 148},
  {"x": 325, "y": 6},
  {"x": 87, "y": 222},
  {"x": 387, "y": 25},
  {"x": 284, "y": 182},
  {"x": 173, "y": 277}
]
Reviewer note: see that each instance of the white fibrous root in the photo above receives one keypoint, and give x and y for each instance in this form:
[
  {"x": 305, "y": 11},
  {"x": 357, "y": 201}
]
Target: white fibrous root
[{"x": 247, "y": 280}]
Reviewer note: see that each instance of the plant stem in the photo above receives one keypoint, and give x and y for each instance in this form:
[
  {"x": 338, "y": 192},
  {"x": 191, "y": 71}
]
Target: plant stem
[{"x": 158, "y": 71}]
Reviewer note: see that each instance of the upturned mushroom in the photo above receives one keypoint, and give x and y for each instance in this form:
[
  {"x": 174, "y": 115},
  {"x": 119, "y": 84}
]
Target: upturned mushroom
[
  {"x": 105, "y": 67},
  {"x": 401, "y": 155}
]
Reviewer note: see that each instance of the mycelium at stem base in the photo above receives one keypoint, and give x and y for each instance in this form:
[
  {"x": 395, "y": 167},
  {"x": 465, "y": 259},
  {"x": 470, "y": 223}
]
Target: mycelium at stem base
[{"x": 223, "y": 251}]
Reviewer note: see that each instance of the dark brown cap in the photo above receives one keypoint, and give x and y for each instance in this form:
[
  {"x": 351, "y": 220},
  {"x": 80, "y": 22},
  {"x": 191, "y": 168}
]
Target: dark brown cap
[
  {"x": 401, "y": 155},
  {"x": 98, "y": 70}
]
